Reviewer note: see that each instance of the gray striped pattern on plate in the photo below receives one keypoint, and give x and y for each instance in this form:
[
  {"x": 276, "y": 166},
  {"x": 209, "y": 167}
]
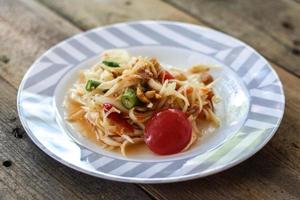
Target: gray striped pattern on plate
[{"x": 263, "y": 84}]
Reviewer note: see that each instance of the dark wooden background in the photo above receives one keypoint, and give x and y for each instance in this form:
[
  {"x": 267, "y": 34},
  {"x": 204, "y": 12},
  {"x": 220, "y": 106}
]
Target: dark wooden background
[{"x": 29, "y": 27}]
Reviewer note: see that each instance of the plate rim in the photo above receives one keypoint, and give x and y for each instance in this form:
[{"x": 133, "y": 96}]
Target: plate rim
[{"x": 120, "y": 178}]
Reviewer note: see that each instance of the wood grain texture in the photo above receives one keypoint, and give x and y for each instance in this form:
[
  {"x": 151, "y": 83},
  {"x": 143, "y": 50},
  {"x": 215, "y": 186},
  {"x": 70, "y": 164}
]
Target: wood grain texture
[
  {"x": 92, "y": 13},
  {"x": 27, "y": 30},
  {"x": 274, "y": 173},
  {"x": 278, "y": 179},
  {"x": 34, "y": 175},
  {"x": 298, "y": 1},
  {"x": 271, "y": 27}
]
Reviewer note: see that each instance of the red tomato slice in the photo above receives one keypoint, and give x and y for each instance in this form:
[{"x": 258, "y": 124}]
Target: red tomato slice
[
  {"x": 165, "y": 75},
  {"x": 168, "y": 132},
  {"x": 107, "y": 106},
  {"x": 118, "y": 118}
]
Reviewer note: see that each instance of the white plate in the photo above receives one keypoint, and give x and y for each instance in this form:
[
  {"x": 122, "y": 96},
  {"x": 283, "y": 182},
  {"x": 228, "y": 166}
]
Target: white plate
[{"x": 251, "y": 108}]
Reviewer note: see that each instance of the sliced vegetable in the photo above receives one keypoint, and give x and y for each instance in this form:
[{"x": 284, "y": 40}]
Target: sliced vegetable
[
  {"x": 120, "y": 56},
  {"x": 110, "y": 63},
  {"x": 91, "y": 84},
  {"x": 129, "y": 98},
  {"x": 168, "y": 131},
  {"x": 118, "y": 118}
]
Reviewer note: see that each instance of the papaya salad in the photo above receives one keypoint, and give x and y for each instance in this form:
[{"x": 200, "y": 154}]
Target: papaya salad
[{"x": 128, "y": 100}]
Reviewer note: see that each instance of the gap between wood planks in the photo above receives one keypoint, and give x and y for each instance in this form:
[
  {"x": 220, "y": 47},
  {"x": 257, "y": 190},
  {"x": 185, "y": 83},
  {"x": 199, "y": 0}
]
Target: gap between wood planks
[
  {"x": 32, "y": 173},
  {"x": 298, "y": 1},
  {"x": 159, "y": 196},
  {"x": 211, "y": 25},
  {"x": 278, "y": 31},
  {"x": 84, "y": 28},
  {"x": 76, "y": 22},
  {"x": 285, "y": 55}
]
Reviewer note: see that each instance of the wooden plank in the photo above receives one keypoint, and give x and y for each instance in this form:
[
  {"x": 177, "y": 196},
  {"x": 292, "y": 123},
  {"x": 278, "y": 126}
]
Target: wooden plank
[
  {"x": 5, "y": 192},
  {"x": 271, "y": 27},
  {"x": 298, "y": 1},
  {"x": 89, "y": 14},
  {"x": 23, "y": 37},
  {"x": 277, "y": 39},
  {"x": 33, "y": 175},
  {"x": 272, "y": 173},
  {"x": 253, "y": 179}
]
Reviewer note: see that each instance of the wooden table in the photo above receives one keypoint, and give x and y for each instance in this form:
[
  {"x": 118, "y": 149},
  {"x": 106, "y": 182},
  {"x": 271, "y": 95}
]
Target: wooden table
[{"x": 28, "y": 28}]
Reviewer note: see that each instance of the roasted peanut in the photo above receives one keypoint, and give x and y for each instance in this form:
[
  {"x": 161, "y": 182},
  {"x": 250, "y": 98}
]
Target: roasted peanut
[
  {"x": 141, "y": 96},
  {"x": 198, "y": 69},
  {"x": 206, "y": 78},
  {"x": 150, "y": 94},
  {"x": 157, "y": 96}
]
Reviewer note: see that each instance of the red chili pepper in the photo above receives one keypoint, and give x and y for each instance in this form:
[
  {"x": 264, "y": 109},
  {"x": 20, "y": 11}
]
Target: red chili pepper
[
  {"x": 165, "y": 75},
  {"x": 107, "y": 106},
  {"x": 118, "y": 118}
]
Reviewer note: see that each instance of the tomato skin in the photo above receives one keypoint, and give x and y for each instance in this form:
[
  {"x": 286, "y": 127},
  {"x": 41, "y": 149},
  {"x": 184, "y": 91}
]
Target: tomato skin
[
  {"x": 165, "y": 75},
  {"x": 117, "y": 118},
  {"x": 107, "y": 107},
  {"x": 168, "y": 132}
]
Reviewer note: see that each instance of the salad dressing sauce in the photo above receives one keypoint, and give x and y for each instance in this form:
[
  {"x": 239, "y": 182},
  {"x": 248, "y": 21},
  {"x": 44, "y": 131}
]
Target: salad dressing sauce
[
  {"x": 80, "y": 123},
  {"x": 87, "y": 130}
]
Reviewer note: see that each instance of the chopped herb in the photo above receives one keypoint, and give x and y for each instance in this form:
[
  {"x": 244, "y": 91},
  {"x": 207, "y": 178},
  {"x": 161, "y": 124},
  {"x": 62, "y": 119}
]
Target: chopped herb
[
  {"x": 129, "y": 98},
  {"x": 110, "y": 63},
  {"x": 91, "y": 84}
]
